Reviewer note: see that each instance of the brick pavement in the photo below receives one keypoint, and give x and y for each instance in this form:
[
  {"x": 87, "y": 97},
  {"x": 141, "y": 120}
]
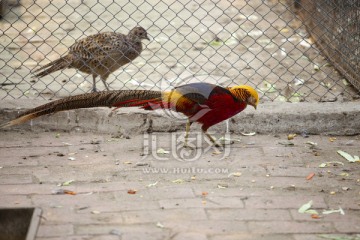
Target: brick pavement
[{"x": 252, "y": 193}]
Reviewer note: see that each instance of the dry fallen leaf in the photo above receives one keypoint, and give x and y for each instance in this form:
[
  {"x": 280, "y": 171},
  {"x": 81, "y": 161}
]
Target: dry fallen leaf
[
  {"x": 178, "y": 181},
  {"x": 310, "y": 176},
  {"x": 248, "y": 134},
  {"x": 222, "y": 185},
  {"x": 306, "y": 208},
  {"x": 268, "y": 87},
  {"x": 316, "y": 67},
  {"x": 162, "y": 151},
  {"x": 311, "y": 143},
  {"x": 286, "y": 143},
  {"x": 69, "y": 192},
  {"x": 67, "y": 183},
  {"x": 204, "y": 194},
  {"x": 63, "y": 191},
  {"x": 344, "y": 174},
  {"x": 291, "y": 136},
  {"x": 152, "y": 184},
  {"x": 131, "y": 191},
  {"x": 315, "y": 216},
  {"x": 216, "y": 152},
  {"x": 159, "y": 225},
  {"x": 311, "y": 211},
  {"x": 305, "y": 43},
  {"x": 348, "y": 157},
  {"x": 298, "y": 81},
  {"x": 235, "y": 174},
  {"x": 340, "y": 210},
  {"x": 326, "y": 164}
]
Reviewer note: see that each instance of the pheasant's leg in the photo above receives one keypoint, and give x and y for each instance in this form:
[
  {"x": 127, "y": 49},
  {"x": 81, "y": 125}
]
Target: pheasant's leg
[
  {"x": 188, "y": 124},
  {"x": 227, "y": 125},
  {"x": 94, "y": 83},
  {"x": 211, "y": 138},
  {"x": 226, "y": 139},
  {"x": 103, "y": 79},
  {"x": 218, "y": 147}
]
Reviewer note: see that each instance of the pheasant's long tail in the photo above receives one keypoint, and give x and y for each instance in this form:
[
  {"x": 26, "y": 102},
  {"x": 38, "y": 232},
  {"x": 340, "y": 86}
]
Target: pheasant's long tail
[
  {"x": 120, "y": 98},
  {"x": 59, "y": 64}
]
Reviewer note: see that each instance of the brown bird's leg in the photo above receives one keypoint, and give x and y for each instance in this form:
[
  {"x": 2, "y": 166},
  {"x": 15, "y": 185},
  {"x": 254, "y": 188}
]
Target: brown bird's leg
[
  {"x": 103, "y": 79},
  {"x": 94, "y": 83},
  {"x": 188, "y": 124}
]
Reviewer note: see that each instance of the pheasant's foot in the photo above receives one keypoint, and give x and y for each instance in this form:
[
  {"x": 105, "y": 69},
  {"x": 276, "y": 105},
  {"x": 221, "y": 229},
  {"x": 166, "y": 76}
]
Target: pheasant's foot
[
  {"x": 218, "y": 148},
  {"x": 221, "y": 142},
  {"x": 227, "y": 141}
]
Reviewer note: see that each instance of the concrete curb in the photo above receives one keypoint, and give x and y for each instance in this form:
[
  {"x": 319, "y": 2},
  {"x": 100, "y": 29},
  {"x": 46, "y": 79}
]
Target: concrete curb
[{"x": 312, "y": 118}]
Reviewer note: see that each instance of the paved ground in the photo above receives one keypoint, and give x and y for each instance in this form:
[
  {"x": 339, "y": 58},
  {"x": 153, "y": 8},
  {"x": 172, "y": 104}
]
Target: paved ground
[{"x": 251, "y": 191}]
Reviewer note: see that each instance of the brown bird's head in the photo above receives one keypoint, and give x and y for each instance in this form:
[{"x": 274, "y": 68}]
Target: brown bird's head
[
  {"x": 246, "y": 93},
  {"x": 139, "y": 33}
]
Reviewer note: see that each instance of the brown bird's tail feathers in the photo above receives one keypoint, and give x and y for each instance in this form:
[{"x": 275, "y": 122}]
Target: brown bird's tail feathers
[
  {"x": 120, "y": 98},
  {"x": 61, "y": 63}
]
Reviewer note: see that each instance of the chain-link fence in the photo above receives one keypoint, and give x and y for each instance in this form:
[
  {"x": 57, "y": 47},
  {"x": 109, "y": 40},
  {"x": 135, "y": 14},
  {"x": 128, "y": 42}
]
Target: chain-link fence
[
  {"x": 335, "y": 27},
  {"x": 260, "y": 43}
]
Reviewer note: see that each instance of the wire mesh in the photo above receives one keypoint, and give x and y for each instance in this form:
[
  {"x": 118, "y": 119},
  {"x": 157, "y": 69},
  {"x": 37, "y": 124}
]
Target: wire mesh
[
  {"x": 335, "y": 27},
  {"x": 260, "y": 43}
]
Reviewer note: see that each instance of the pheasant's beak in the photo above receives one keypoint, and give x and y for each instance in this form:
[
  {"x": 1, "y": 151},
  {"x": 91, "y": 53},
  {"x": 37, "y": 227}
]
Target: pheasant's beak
[
  {"x": 254, "y": 105},
  {"x": 252, "y": 101}
]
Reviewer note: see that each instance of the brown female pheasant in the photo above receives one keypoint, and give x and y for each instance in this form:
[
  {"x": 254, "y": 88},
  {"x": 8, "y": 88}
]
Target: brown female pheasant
[{"x": 99, "y": 54}]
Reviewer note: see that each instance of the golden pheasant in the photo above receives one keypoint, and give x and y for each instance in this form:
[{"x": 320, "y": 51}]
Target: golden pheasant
[
  {"x": 99, "y": 54},
  {"x": 204, "y": 103}
]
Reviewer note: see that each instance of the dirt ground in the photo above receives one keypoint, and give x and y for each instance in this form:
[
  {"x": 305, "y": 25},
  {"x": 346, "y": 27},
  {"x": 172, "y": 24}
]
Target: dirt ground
[{"x": 259, "y": 43}]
